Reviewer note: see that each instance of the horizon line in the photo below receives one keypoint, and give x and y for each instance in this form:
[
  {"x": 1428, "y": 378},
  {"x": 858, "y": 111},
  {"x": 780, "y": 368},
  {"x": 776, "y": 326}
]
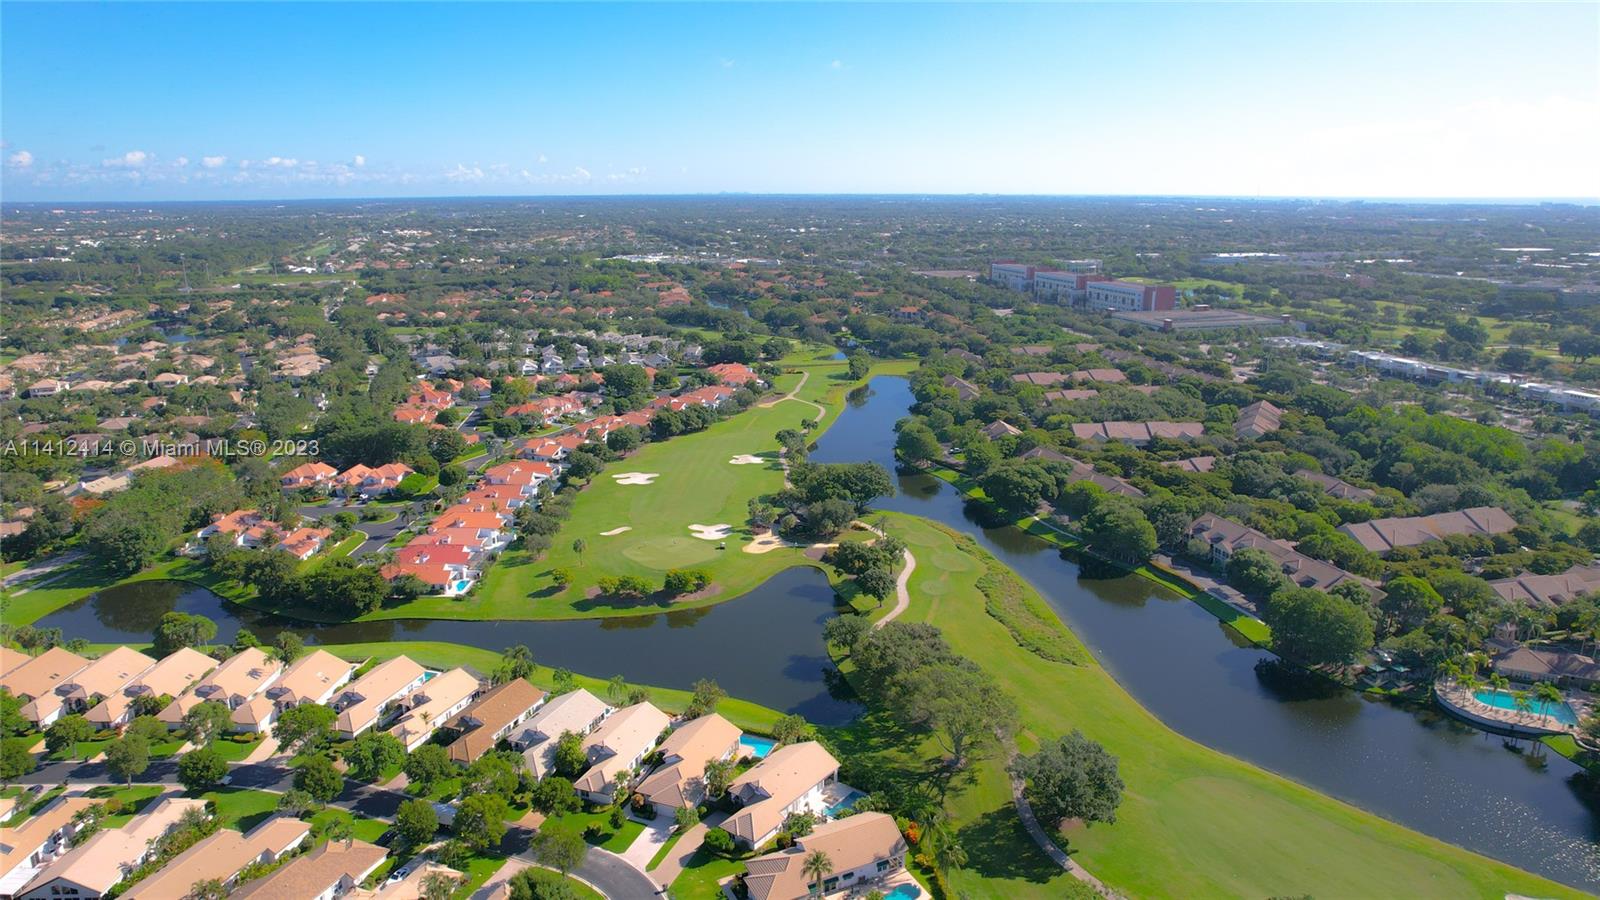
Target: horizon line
[{"x": 1337, "y": 198}]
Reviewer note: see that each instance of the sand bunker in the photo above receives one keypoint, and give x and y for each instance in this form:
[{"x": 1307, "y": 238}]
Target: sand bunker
[
  {"x": 636, "y": 477},
  {"x": 717, "y": 532},
  {"x": 766, "y": 543},
  {"x": 616, "y": 531},
  {"x": 745, "y": 459}
]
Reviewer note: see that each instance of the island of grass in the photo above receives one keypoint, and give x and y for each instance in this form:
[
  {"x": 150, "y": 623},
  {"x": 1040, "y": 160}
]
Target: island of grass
[{"x": 1179, "y": 830}]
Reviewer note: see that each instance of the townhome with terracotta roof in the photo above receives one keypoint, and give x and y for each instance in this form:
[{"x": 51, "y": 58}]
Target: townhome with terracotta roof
[
  {"x": 331, "y": 870},
  {"x": 239, "y": 678},
  {"x": 431, "y": 705},
  {"x": 40, "y": 839},
  {"x": 364, "y": 701},
  {"x": 680, "y": 779},
  {"x": 791, "y": 779},
  {"x": 734, "y": 373},
  {"x": 865, "y": 848},
  {"x": 618, "y": 746},
  {"x": 222, "y": 855},
  {"x": 44, "y": 673},
  {"x": 492, "y": 717},
  {"x": 311, "y": 474},
  {"x": 369, "y": 481},
  {"x": 169, "y": 677},
  {"x": 579, "y": 712},
  {"x": 103, "y": 677},
  {"x": 1382, "y": 535}
]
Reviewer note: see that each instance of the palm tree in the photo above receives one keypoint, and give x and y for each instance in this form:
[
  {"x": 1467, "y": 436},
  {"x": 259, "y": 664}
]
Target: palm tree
[
  {"x": 1498, "y": 683},
  {"x": 817, "y": 866},
  {"x": 1469, "y": 682},
  {"x": 1549, "y": 695},
  {"x": 1523, "y": 700}
]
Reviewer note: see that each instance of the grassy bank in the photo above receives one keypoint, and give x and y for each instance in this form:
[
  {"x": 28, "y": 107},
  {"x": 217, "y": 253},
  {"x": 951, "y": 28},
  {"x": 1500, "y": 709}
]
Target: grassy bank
[{"x": 1193, "y": 823}]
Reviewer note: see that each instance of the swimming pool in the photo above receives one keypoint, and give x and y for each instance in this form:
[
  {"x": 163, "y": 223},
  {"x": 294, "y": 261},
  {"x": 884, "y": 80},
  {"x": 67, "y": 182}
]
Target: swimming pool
[
  {"x": 1558, "y": 712},
  {"x": 847, "y": 802},
  {"x": 758, "y": 747},
  {"x": 904, "y": 892}
]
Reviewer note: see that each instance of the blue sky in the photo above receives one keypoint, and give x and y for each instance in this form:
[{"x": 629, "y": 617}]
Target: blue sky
[{"x": 224, "y": 100}]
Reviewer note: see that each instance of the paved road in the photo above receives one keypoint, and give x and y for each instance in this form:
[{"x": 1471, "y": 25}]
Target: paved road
[
  {"x": 42, "y": 567},
  {"x": 378, "y": 533}
]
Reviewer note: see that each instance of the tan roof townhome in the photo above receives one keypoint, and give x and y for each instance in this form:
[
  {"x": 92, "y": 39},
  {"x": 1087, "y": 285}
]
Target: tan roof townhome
[
  {"x": 430, "y": 705},
  {"x": 329, "y": 871},
  {"x": 101, "y": 678},
  {"x": 1549, "y": 590},
  {"x": 364, "y": 701},
  {"x": 24, "y": 850},
  {"x": 680, "y": 779},
  {"x": 94, "y": 866},
  {"x": 237, "y": 680},
  {"x": 221, "y": 855},
  {"x": 44, "y": 673},
  {"x": 619, "y": 745},
  {"x": 1137, "y": 433},
  {"x": 1383, "y": 535},
  {"x": 169, "y": 677},
  {"x": 312, "y": 678},
  {"x": 492, "y": 717},
  {"x": 10, "y": 659},
  {"x": 579, "y": 712},
  {"x": 791, "y": 779},
  {"x": 865, "y": 848}
]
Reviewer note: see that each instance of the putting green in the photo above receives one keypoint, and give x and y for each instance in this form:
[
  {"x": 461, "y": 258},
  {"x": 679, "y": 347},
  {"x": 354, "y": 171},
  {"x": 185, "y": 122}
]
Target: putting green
[{"x": 671, "y": 552}]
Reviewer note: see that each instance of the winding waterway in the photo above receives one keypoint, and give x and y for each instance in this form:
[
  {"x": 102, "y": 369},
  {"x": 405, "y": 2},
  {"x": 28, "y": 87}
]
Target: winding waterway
[
  {"x": 1420, "y": 768},
  {"x": 1514, "y": 802}
]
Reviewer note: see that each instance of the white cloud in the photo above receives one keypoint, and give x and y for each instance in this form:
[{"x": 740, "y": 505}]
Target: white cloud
[
  {"x": 21, "y": 159},
  {"x": 462, "y": 173},
  {"x": 726, "y": 63},
  {"x": 543, "y": 159},
  {"x": 581, "y": 173},
  {"x": 181, "y": 161},
  {"x": 281, "y": 162},
  {"x": 213, "y": 162},
  {"x": 133, "y": 159},
  {"x": 836, "y": 64},
  {"x": 360, "y": 160}
]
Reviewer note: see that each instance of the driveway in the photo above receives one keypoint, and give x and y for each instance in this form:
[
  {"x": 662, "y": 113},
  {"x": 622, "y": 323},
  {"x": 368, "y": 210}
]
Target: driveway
[
  {"x": 42, "y": 567},
  {"x": 378, "y": 533},
  {"x": 650, "y": 840},
  {"x": 684, "y": 850}
]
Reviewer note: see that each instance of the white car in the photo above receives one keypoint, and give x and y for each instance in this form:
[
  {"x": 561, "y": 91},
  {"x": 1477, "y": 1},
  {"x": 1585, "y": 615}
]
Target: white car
[{"x": 398, "y": 875}]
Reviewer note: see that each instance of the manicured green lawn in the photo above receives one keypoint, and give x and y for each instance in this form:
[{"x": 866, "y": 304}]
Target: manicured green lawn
[
  {"x": 234, "y": 748},
  {"x": 1193, "y": 822},
  {"x": 133, "y": 800},
  {"x": 241, "y": 808},
  {"x": 438, "y": 655},
  {"x": 614, "y": 840},
  {"x": 363, "y": 829},
  {"x": 699, "y": 878}
]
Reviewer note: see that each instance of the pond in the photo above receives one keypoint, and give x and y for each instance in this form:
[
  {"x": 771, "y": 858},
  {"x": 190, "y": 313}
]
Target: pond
[
  {"x": 1514, "y": 801},
  {"x": 766, "y": 647}
]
